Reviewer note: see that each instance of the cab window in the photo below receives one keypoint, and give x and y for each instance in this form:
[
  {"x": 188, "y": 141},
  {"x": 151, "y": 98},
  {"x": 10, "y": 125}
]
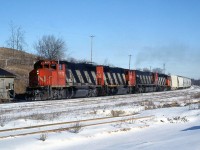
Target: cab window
[
  {"x": 46, "y": 65},
  {"x": 53, "y": 66}
]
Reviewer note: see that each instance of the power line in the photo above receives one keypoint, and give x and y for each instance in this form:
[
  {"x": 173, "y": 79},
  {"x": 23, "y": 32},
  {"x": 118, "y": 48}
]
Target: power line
[
  {"x": 164, "y": 68},
  {"x": 91, "y": 36},
  {"x": 129, "y": 61}
]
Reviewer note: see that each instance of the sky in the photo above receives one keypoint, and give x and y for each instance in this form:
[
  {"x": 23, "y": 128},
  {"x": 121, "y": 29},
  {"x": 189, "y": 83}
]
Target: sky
[{"x": 154, "y": 32}]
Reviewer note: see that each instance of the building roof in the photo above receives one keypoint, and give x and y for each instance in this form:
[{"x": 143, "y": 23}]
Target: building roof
[{"x": 4, "y": 73}]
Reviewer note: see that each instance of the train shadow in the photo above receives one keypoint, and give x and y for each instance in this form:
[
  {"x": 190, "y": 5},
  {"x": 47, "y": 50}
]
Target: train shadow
[{"x": 192, "y": 128}]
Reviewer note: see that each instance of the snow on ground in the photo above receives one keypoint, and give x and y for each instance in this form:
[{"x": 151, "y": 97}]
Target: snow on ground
[
  {"x": 162, "y": 132},
  {"x": 170, "y": 128},
  {"x": 179, "y": 134}
]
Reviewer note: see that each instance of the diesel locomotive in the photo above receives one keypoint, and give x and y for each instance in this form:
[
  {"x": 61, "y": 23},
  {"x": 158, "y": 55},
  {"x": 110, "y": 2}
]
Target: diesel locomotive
[{"x": 61, "y": 80}]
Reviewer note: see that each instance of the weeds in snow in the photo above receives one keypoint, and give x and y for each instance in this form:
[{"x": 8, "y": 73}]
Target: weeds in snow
[
  {"x": 173, "y": 104},
  {"x": 177, "y": 119},
  {"x": 196, "y": 95},
  {"x": 121, "y": 130},
  {"x": 122, "y": 104},
  {"x": 3, "y": 121},
  {"x": 43, "y": 137},
  {"x": 149, "y": 105},
  {"x": 131, "y": 121},
  {"x": 116, "y": 113},
  {"x": 94, "y": 111},
  {"x": 76, "y": 128},
  {"x": 125, "y": 129},
  {"x": 39, "y": 116}
]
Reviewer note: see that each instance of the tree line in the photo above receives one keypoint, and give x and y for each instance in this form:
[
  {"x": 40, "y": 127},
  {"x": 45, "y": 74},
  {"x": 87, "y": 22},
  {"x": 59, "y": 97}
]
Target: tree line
[
  {"x": 196, "y": 82},
  {"x": 47, "y": 47}
]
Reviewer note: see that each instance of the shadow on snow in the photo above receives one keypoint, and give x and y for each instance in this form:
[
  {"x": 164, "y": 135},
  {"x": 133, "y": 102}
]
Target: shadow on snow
[{"x": 192, "y": 128}]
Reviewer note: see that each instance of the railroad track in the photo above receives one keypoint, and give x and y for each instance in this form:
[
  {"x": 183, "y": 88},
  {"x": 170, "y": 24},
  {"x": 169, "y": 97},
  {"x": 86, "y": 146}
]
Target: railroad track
[
  {"x": 58, "y": 127},
  {"x": 80, "y": 106},
  {"x": 84, "y": 106},
  {"x": 94, "y": 100},
  {"x": 64, "y": 106}
]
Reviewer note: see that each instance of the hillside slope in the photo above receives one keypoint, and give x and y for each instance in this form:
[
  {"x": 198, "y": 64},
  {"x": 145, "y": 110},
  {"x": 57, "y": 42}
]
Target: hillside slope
[{"x": 19, "y": 63}]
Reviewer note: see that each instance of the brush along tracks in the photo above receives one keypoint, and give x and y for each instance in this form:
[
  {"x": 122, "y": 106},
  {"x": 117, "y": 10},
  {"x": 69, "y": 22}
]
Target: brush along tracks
[{"x": 66, "y": 126}]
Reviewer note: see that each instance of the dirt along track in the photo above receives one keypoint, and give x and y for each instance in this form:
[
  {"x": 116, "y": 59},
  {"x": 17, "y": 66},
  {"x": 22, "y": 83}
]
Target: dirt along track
[{"x": 87, "y": 108}]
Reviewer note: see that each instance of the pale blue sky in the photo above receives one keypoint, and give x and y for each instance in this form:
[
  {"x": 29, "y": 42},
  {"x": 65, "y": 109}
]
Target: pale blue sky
[{"x": 152, "y": 31}]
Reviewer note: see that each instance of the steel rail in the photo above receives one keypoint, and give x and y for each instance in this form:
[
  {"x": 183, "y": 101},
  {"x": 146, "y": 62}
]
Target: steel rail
[
  {"x": 72, "y": 127},
  {"x": 62, "y": 123}
]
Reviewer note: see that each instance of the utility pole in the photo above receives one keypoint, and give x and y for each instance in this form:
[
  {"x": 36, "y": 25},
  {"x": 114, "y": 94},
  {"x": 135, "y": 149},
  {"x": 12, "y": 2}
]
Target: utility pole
[
  {"x": 164, "y": 68},
  {"x": 129, "y": 61},
  {"x": 91, "y": 36}
]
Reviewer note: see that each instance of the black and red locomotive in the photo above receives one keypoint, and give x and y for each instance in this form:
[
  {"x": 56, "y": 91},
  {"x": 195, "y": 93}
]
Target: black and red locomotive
[{"x": 62, "y": 79}]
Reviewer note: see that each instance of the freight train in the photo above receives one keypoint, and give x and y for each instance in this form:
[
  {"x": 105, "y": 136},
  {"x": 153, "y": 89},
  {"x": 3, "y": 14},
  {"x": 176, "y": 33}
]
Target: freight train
[{"x": 61, "y": 80}]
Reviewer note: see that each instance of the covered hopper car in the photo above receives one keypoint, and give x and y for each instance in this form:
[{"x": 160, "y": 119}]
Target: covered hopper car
[{"x": 180, "y": 82}]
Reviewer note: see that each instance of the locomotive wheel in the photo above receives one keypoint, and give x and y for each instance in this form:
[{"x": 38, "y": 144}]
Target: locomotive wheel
[
  {"x": 140, "y": 90},
  {"x": 89, "y": 93},
  {"x": 70, "y": 93},
  {"x": 94, "y": 92},
  {"x": 44, "y": 96}
]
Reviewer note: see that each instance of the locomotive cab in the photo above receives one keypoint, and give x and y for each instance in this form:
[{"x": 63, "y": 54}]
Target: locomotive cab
[{"x": 47, "y": 73}]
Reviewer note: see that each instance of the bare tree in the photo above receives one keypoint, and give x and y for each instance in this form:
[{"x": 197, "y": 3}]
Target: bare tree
[
  {"x": 158, "y": 70},
  {"x": 107, "y": 63},
  {"x": 85, "y": 61},
  {"x": 146, "y": 69},
  {"x": 16, "y": 39},
  {"x": 72, "y": 60},
  {"x": 50, "y": 47}
]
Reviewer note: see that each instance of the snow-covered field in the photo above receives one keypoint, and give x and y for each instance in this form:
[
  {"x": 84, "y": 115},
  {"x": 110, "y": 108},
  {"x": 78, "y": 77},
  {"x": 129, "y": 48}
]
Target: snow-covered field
[{"x": 175, "y": 123}]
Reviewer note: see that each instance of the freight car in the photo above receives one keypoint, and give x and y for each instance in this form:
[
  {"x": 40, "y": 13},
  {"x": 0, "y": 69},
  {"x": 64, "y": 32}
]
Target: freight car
[
  {"x": 62, "y": 79},
  {"x": 180, "y": 82}
]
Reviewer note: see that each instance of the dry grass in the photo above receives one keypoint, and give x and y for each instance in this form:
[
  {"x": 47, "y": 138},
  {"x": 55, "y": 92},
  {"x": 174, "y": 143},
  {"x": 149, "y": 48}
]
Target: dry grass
[
  {"x": 10, "y": 53},
  {"x": 20, "y": 86},
  {"x": 122, "y": 104},
  {"x": 40, "y": 116},
  {"x": 20, "y": 70},
  {"x": 116, "y": 113},
  {"x": 173, "y": 104}
]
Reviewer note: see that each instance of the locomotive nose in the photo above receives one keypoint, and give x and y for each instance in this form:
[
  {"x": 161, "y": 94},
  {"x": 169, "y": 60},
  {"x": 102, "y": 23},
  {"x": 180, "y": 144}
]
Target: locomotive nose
[{"x": 33, "y": 78}]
